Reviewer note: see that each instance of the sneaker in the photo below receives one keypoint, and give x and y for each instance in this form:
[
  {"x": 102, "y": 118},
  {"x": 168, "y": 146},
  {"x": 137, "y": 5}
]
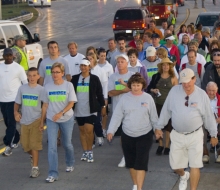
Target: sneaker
[
  {"x": 104, "y": 132},
  {"x": 134, "y": 187},
  {"x": 159, "y": 150},
  {"x": 205, "y": 159},
  {"x": 90, "y": 157},
  {"x": 14, "y": 146},
  {"x": 34, "y": 172},
  {"x": 183, "y": 182},
  {"x": 122, "y": 163},
  {"x": 166, "y": 151},
  {"x": 218, "y": 159},
  {"x": 100, "y": 141},
  {"x": 93, "y": 146},
  {"x": 7, "y": 151},
  {"x": 84, "y": 156},
  {"x": 69, "y": 169},
  {"x": 31, "y": 159},
  {"x": 51, "y": 179}
]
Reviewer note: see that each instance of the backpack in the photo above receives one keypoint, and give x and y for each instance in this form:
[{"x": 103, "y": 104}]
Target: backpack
[{"x": 199, "y": 68}]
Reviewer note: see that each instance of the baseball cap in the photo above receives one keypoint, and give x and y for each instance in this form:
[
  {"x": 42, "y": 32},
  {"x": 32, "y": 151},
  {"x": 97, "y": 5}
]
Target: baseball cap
[
  {"x": 122, "y": 56},
  {"x": 155, "y": 35},
  {"x": 186, "y": 75},
  {"x": 150, "y": 51},
  {"x": 20, "y": 37},
  {"x": 206, "y": 29},
  {"x": 85, "y": 62},
  {"x": 7, "y": 51},
  {"x": 135, "y": 33}
]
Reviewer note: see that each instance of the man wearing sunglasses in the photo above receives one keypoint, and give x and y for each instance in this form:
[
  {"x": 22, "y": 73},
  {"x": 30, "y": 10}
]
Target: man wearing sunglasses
[
  {"x": 189, "y": 108},
  {"x": 212, "y": 72}
]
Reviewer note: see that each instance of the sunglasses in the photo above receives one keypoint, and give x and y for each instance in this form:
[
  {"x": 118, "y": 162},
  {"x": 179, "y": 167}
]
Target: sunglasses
[
  {"x": 83, "y": 82},
  {"x": 187, "y": 101},
  {"x": 216, "y": 54}
]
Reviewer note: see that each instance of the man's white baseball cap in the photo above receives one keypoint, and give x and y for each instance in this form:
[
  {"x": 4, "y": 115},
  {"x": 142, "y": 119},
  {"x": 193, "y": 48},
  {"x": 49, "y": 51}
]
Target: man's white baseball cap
[
  {"x": 186, "y": 75},
  {"x": 122, "y": 56},
  {"x": 150, "y": 51},
  {"x": 85, "y": 62}
]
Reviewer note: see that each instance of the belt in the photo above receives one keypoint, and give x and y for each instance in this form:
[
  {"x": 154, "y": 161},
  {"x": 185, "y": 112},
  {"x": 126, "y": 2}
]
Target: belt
[{"x": 187, "y": 133}]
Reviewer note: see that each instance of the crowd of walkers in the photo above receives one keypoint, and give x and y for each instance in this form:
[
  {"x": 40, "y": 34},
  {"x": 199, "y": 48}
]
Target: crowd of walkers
[{"x": 175, "y": 77}]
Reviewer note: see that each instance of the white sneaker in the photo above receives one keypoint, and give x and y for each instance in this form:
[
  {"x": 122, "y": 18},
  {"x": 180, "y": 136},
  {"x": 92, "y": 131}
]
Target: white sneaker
[
  {"x": 218, "y": 159},
  {"x": 69, "y": 169},
  {"x": 14, "y": 146},
  {"x": 205, "y": 159},
  {"x": 134, "y": 187},
  {"x": 122, "y": 163},
  {"x": 183, "y": 181},
  {"x": 7, "y": 152},
  {"x": 100, "y": 141}
]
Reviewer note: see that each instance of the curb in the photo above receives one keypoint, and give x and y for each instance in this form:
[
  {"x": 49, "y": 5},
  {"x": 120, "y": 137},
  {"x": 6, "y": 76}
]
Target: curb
[{"x": 187, "y": 17}]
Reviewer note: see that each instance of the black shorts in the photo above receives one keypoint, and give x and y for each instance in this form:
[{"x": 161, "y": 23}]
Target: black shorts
[
  {"x": 89, "y": 119},
  {"x": 136, "y": 150}
]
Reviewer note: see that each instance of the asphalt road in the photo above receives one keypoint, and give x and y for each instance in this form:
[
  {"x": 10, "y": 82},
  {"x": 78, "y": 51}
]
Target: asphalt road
[{"x": 89, "y": 23}]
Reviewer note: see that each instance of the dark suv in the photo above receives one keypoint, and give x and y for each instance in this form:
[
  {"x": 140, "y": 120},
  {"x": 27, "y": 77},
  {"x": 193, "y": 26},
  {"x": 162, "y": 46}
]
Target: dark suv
[{"x": 128, "y": 19}]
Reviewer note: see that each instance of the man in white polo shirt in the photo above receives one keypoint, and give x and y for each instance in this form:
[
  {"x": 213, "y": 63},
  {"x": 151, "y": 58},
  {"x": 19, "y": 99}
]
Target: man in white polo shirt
[
  {"x": 73, "y": 58},
  {"x": 12, "y": 75},
  {"x": 189, "y": 108}
]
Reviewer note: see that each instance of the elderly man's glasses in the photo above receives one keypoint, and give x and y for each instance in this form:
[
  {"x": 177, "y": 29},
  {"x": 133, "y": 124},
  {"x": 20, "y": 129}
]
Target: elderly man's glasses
[{"x": 187, "y": 101}]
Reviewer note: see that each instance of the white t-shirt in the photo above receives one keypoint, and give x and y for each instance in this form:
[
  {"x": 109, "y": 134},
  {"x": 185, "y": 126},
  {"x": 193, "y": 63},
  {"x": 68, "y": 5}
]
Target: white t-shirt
[
  {"x": 12, "y": 76},
  {"x": 199, "y": 58},
  {"x": 107, "y": 67},
  {"x": 74, "y": 62},
  {"x": 100, "y": 72}
]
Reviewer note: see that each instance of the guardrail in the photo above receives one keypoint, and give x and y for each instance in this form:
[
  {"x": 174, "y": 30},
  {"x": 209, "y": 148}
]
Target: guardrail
[{"x": 23, "y": 17}]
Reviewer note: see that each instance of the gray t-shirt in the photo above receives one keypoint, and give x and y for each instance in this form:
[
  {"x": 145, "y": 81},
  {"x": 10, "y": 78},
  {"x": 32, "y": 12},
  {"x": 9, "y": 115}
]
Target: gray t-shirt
[
  {"x": 58, "y": 97},
  {"x": 45, "y": 68},
  {"x": 82, "y": 108},
  {"x": 113, "y": 84},
  {"x": 109, "y": 55},
  {"x": 30, "y": 100},
  {"x": 138, "y": 115}
]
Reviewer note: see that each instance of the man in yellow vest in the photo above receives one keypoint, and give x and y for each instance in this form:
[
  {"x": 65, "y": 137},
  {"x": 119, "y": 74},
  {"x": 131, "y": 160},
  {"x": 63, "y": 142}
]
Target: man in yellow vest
[{"x": 19, "y": 53}]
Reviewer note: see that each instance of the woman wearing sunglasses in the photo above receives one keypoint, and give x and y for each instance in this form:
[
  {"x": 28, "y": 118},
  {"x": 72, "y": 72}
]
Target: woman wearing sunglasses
[{"x": 90, "y": 98}]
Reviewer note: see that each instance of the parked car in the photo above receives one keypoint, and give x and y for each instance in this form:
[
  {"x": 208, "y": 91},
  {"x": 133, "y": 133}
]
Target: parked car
[
  {"x": 207, "y": 19},
  {"x": 128, "y": 19},
  {"x": 9, "y": 29}
]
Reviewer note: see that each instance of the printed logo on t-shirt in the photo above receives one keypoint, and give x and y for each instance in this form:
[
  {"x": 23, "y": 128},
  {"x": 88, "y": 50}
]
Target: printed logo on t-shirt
[
  {"x": 57, "y": 96},
  {"x": 82, "y": 87},
  {"x": 119, "y": 86},
  {"x": 152, "y": 71},
  {"x": 48, "y": 69},
  {"x": 30, "y": 100},
  {"x": 193, "y": 104},
  {"x": 144, "y": 104}
]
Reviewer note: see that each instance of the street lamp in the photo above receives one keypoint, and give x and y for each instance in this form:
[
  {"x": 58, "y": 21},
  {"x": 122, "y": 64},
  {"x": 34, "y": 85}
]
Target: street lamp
[{"x": 195, "y": 6}]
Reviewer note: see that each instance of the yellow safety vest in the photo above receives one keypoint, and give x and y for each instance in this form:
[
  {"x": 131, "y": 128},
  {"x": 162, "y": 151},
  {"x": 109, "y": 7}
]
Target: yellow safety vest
[{"x": 24, "y": 60}]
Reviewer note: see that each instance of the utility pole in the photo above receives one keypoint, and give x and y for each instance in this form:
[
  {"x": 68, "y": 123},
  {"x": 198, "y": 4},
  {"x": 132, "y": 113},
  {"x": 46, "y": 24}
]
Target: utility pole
[
  {"x": 203, "y": 6},
  {"x": 195, "y": 6}
]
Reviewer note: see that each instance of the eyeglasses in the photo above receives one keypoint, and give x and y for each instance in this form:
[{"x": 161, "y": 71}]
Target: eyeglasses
[
  {"x": 216, "y": 54},
  {"x": 56, "y": 72},
  {"x": 187, "y": 101},
  {"x": 83, "y": 82}
]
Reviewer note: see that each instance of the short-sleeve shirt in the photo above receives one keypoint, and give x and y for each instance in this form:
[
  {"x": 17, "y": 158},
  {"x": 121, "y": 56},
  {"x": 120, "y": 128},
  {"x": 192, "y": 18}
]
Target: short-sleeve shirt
[
  {"x": 82, "y": 108},
  {"x": 45, "y": 68},
  {"x": 58, "y": 97},
  {"x": 114, "y": 84},
  {"x": 30, "y": 100}
]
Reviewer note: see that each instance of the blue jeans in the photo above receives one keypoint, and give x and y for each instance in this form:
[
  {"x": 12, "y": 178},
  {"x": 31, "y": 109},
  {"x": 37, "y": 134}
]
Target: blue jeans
[
  {"x": 66, "y": 138},
  {"x": 11, "y": 134}
]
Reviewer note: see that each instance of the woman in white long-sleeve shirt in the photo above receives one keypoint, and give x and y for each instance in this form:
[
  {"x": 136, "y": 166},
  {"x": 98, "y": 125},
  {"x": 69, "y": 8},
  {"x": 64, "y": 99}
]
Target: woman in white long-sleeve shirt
[{"x": 138, "y": 118}]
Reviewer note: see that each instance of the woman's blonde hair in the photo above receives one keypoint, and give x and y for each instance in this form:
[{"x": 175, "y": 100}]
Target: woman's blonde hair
[
  {"x": 187, "y": 37},
  {"x": 90, "y": 48},
  {"x": 94, "y": 56},
  {"x": 192, "y": 28},
  {"x": 58, "y": 65},
  {"x": 171, "y": 70},
  {"x": 163, "y": 52}
]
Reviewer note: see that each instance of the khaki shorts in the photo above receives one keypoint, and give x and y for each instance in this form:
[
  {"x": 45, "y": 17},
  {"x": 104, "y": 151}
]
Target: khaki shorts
[
  {"x": 186, "y": 150},
  {"x": 31, "y": 137}
]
